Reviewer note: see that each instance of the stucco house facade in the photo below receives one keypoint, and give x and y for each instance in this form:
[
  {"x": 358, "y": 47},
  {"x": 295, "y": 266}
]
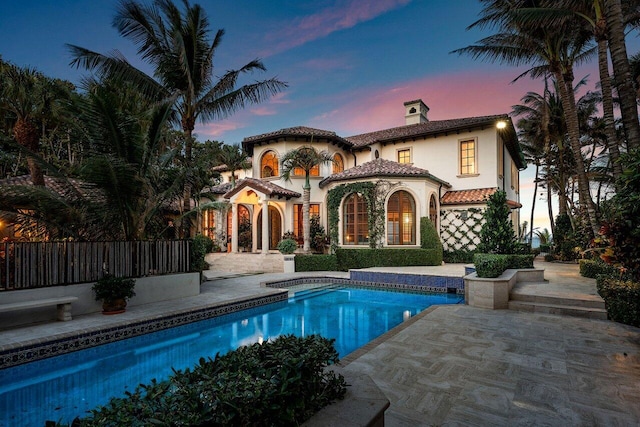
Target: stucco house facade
[{"x": 444, "y": 170}]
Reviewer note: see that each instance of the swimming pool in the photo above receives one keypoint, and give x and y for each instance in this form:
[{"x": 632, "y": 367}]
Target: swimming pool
[{"x": 63, "y": 387}]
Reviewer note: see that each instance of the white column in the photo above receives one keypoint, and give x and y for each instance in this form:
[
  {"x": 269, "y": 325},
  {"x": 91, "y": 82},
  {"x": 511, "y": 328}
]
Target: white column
[
  {"x": 234, "y": 227},
  {"x": 265, "y": 226}
]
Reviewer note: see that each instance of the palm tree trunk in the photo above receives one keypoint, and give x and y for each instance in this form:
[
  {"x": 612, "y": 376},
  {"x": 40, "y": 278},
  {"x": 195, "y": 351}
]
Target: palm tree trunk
[
  {"x": 622, "y": 72},
  {"x": 533, "y": 204},
  {"x": 550, "y": 206},
  {"x": 607, "y": 107},
  {"x": 306, "y": 223},
  {"x": 569, "y": 105},
  {"x": 186, "y": 195}
]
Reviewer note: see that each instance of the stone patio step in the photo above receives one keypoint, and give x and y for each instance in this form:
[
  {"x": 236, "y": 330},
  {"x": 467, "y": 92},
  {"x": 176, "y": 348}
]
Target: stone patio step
[
  {"x": 565, "y": 310},
  {"x": 541, "y": 293}
]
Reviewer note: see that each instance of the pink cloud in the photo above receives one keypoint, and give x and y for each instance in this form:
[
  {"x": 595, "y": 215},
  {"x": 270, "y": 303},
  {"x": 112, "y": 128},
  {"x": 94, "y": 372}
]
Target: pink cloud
[
  {"x": 455, "y": 95},
  {"x": 263, "y": 111},
  {"x": 214, "y": 130},
  {"x": 345, "y": 14}
]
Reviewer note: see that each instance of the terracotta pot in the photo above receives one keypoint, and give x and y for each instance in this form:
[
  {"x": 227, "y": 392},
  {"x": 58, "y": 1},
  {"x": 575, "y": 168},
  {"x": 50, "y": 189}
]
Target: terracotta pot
[{"x": 114, "y": 306}]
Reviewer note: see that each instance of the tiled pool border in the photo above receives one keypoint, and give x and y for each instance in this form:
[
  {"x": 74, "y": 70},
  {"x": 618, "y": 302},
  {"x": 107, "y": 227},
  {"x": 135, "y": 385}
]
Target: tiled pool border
[
  {"x": 83, "y": 339},
  {"x": 416, "y": 286}
]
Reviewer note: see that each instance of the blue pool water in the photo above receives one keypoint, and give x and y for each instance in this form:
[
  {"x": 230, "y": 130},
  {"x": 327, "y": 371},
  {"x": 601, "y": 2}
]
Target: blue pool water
[{"x": 63, "y": 387}]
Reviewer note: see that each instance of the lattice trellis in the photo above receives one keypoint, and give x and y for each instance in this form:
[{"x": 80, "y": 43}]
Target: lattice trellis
[{"x": 457, "y": 233}]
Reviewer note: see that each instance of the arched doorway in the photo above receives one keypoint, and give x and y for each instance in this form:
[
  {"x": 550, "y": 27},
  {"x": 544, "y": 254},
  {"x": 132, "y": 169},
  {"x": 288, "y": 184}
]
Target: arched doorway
[
  {"x": 244, "y": 227},
  {"x": 275, "y": 228}
]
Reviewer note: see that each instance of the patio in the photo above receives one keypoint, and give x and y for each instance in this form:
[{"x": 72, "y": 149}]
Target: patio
[{"x": 459, "y": 365}]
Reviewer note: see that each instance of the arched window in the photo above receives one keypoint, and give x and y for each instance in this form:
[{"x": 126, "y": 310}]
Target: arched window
[
  {"x": 338, "y": 163},
  {"x": 356, "y": 221},
  {"x": 314, "y": 171},
  {"x": 433, "y": 211},
  {"x": 269, "y": 165},
  {"x": 401, "y": 219}
]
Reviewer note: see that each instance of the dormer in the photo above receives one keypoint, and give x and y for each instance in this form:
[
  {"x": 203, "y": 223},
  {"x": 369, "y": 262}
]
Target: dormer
[{"x": 415, "y": 112}]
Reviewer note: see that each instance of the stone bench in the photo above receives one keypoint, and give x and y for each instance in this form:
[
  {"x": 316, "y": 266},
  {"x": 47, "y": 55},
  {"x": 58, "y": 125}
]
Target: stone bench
[{"x": 63, "y": 304}]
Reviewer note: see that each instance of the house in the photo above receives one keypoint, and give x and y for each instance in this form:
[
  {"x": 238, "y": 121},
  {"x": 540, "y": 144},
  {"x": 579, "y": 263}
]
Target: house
[{"x": 444, "y": 170}]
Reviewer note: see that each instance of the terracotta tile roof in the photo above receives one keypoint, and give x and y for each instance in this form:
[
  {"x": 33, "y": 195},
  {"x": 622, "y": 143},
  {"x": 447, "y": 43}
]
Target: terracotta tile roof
[
  {"x": 65, "y": 187},
  {"x": 266, "y": 187},
  {"x": 380, "y": 168},
  {"x": 220, "y": 189},
  {"x": 420, "y": 130},
  {"x": 470, "y": 197},
  {"x": 225, "y": 168},
  {"x": 294, "y": 132}
]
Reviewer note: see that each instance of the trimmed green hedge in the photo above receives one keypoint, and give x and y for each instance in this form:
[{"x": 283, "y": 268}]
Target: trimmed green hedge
[
  {"x": 592, "y": 268},
  {"x": 316, "y": 263},
  {"x": 200, "y": 246},
  {"x": 429, "y": 238},
  {"x": 493, "y": 265},
  {"x": 281, "y": 382},
  {"x": 621, "y": 298},
  {"x": 364, "y": 258}
]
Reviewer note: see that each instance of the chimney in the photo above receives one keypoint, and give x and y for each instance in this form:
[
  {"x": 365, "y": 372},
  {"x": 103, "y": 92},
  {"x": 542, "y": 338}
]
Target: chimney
[{"x": 415, "y": 112}]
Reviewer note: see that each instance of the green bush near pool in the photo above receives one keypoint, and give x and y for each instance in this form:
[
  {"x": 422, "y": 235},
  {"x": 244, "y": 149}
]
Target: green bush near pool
[{"x": 365, "y": 258}]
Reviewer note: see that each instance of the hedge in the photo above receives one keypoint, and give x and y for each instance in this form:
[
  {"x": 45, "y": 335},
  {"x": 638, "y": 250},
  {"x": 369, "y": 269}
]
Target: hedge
[
  {"x": 621, "y": 298},
  {"x": 429, "y": 238},
  {"x": 458, "y": 256},
  {"x": 364, "y": 258},
  {"x": 316, "y": 263},
  {"x": 592, "y": 268},
  {"x": 281, "y": 382},
  {"x": 493, "y": 265}
]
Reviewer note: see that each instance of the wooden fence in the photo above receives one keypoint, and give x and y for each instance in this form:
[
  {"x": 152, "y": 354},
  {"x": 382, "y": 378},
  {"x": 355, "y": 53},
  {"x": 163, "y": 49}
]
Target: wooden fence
[{"x": 25, "y": 265}]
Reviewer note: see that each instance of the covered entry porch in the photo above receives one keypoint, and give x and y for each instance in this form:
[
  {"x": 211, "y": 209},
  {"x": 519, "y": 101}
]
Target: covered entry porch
[{"x": 249, "y": 228}]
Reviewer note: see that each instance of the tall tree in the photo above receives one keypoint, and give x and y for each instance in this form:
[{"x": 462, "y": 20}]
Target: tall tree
[
  {"x": 554, "y": 50},
  {"x": 304, "y": 158},
  {"x": 235, "y": 158},
  {"x": 21, "y": 93},
  {"x": 177, "y": 44}
]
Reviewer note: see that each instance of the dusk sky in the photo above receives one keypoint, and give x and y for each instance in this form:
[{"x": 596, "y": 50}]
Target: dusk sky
[{"x": 350, "y": 64}]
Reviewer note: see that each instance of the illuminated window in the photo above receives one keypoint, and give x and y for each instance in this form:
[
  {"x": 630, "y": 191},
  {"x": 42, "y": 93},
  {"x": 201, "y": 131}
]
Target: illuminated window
[
  {"x": 433, "y": 211},
  {"x": 356, "y": 221},
  {"x": 315, "y": 171},
  {"x": 404, "y": 156},
  {"x": 338, "y": 163},
  {"x": 243, "y": 216},
  {"x": 401, "y": 219},
  {"x": 314, "y": 210},
  {"x": 269, "y": 165},
  {"x": 468, "y": 157},
  {"x": 209, "y": 223}
]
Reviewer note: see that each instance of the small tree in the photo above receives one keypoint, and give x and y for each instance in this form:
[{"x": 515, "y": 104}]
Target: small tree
[
  {"x": 429, "y": 238},
  {"x": 496, "y": 235}
]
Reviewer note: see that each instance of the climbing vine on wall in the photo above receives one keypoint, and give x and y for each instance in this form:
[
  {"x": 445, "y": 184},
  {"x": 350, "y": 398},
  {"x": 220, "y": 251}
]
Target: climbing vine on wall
[
  {"x": 459, "y": 233},
  {"x": 374, "y": 194}
]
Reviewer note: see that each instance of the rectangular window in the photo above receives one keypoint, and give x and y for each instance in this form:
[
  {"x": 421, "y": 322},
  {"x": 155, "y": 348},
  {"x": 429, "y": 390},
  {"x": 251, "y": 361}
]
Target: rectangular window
[
  {"x": 404, "y": 156},
  {"x": 468, "y": 157},
  {"x": 209, "y": 223},
  {"x": 298, "y": 222}
]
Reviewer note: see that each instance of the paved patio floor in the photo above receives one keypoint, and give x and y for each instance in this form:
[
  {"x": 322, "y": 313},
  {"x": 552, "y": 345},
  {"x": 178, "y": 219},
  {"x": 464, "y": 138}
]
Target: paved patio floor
[{"x": 459, "y": 365}]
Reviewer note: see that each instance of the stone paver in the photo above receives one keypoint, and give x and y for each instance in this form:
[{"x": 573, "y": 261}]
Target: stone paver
[{"x": 459, "y": 365}]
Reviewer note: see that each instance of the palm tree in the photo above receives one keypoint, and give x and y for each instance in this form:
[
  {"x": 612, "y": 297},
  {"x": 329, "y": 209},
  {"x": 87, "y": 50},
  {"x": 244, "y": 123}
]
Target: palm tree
[
  {"x": 234, "y": 158},
  {"x": 176, "y": 43},
  {"x": 21, "y": 94},
  {"x": 553, "y": 50},
  {"x": 304, "y": 158}
]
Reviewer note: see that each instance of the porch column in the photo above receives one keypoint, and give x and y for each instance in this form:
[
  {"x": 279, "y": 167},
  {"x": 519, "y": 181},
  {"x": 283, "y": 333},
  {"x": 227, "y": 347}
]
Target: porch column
[
  {"x": 265, "y": 226},
  {"x": 234, "y": 227}
]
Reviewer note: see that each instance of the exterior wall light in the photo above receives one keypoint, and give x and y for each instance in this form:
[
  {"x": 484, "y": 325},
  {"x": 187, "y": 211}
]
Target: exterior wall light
[{"x": 501, "y": 124}]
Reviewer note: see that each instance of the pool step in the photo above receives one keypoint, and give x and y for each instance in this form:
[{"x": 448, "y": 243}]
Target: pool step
[
  {"x": 536, "y": 298},
  {"x": 308, "y": 293}
]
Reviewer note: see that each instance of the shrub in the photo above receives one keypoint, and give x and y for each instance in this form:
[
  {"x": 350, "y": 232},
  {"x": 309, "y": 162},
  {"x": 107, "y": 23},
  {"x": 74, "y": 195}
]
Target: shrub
[
  {"x": 621, "y": 298},
  {"x": 287, "y": 246},
  {"x": 549, "y": 258},
  {"x": 200, "y": 246},
  {"x": 364, "y": 258},
  {"x": 316, "y": 263},
  {"x": 564, "y": 239},
  {"x": 458, "y": 256},
  {"x": 520, "y": 261},
  {"x": 429, "y": 238},
  {"x": 592, "y": 268},
  {"x": 490, "y": 265},
  {"x": 280, "y": 382},
  {"x": 319, "y": 239},
  {"x": 496, "y": 235},
  {"x": 110, "y": 288},
  {"x": 544, "y": 247}
]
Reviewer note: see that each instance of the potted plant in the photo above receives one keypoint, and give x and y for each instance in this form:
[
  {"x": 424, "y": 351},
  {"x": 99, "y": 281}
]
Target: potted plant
[
  {"x": 287, "y": 247},
  {"x": 114, "y": 293}
]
